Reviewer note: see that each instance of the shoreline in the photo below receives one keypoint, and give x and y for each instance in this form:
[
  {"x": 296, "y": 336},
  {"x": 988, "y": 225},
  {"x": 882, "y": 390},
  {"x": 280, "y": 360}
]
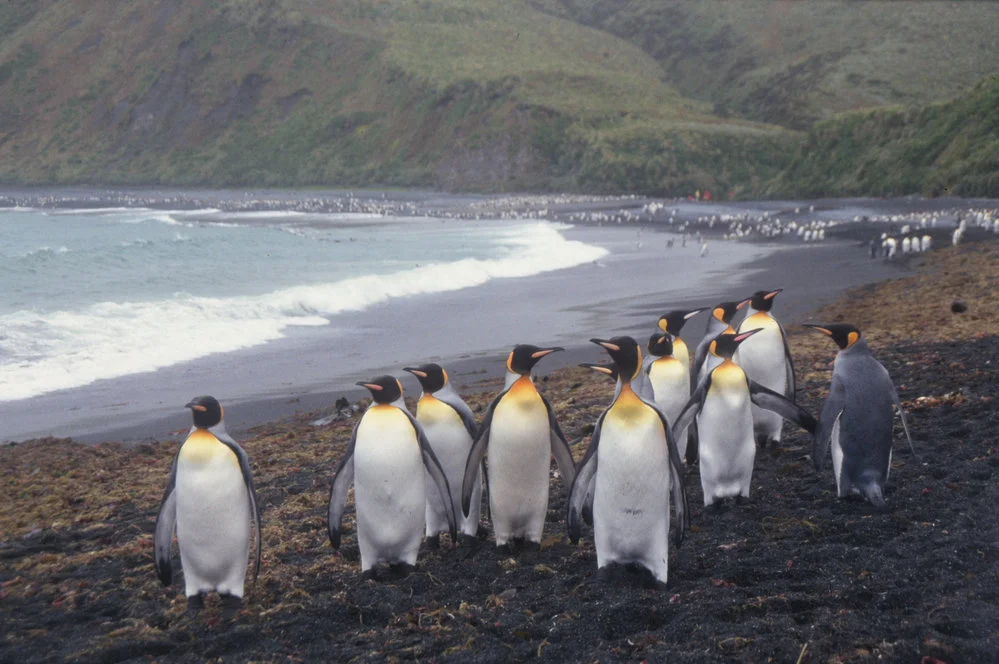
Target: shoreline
[
  {"x": 305, "y": 376},
  {"x": 470, "y": 330}
]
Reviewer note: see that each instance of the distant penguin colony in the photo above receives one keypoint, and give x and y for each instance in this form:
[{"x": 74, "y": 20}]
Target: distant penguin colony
[{"x": 416, "y": 477}]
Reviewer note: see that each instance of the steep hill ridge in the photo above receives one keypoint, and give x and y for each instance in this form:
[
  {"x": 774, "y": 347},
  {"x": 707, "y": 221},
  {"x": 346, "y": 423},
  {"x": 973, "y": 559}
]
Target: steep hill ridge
[{"x": 451, "y": 94}]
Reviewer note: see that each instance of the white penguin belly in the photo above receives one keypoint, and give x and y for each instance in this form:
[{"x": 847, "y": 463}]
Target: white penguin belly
[
  {"x": 451, "y": 443},
  {"x": 518, "y": 463},
  {"x": 671, "y": 386},
  {"x": 837, "y": 457},
  {"x": 389, "y": 488},
  {"x": 213, "y": 522},
  {"x": 762, "y": 358},
  {"x": 631, "y": 495},
  {"x": 726, "y": 449}
]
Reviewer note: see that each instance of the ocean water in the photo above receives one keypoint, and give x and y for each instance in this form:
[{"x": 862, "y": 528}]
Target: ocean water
[{"x": 101, "y": 293}]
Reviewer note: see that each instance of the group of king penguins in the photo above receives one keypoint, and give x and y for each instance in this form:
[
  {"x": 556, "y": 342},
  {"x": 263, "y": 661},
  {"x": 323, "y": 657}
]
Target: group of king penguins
[{"x": 419, "y": 476}]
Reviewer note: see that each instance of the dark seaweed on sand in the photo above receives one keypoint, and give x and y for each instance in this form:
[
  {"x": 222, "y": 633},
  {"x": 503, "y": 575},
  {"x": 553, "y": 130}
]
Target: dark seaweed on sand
[{"x": 795, "y": 576}]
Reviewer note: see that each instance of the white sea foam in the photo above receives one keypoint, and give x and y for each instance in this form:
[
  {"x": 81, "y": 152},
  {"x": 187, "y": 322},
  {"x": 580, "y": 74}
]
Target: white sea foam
[{"x": 42, "y": 352}]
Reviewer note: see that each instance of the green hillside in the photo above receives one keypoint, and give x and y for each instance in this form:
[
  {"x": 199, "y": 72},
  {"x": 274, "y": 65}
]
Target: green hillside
[
  {"x": 951, "y": 148},
  {"x": 793, "y": 63},
  {"x": 450, "y": 94},
  {"x": 487, "y": 95}
]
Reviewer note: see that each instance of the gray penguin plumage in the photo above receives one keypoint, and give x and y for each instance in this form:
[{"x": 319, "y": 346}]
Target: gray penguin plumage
[{"x": 857, "y": 420}]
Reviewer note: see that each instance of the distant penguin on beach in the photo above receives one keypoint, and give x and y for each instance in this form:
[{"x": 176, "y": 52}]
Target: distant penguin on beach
[
  {"x": 520, "y": 435},
  {"x": 630, "y": 475},
  {"x": 450, "y": 428},
  {"x": 857, "y": 419},
  {"x": 766, "y": 358},
  {"x": 385, "y": 458},
  {"x": 721, "y": 403},
  {"x": 211, "y": 502}
]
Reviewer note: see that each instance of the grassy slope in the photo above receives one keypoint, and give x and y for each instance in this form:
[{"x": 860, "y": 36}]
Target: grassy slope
[
  {"x": 453, "y": 94},
  {"x": 950, "y": 148},
  {"x": 792, "y": 63}
]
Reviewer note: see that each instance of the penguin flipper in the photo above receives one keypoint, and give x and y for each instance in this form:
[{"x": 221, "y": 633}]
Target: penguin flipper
[
  {"x": 560, "y": 447},
  {"x": 343, "y": 477},
  {"x": 433, "y": 466},
  {"x": 581, "y": 494},
  {"x": 905, "y": 425},
  {"x": 764, "y": 397},
  {"x": 166, "y": 520},
  {"x": 244, "y": 467},
  {"x": 464, "y": 412},
  {"x": 792, "y": 387},
  {"x": 476, "y": 456},
  {"x": 831, "y": 409},
  {"x": 686, "y": 416}
]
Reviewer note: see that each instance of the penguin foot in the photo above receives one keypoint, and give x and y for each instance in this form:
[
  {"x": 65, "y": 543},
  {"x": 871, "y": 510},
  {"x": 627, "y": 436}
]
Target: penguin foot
[
  {"x": 716, "y": 506},
  {"x": 632, "y": 574},
  {"x": 433, "y": 542},
  {"x": 741, "y": 500},
  {"x": 529, "y": 546},
  {"x": 762, "y": 440},
  {"x": 369, "y": 575},
  {"x": 230, "y": 605},
  {"x": 195, "y": 603},
  {"x": 468, "y": 545},
  {"x": 397, "y": 571}
]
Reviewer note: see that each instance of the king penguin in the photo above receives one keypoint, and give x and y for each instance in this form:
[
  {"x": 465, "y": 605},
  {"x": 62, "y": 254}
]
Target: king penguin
[
  {"x": 521, "y": 435},
  {"x": 725, "y": 422},
  {"x": 671, "y": 323},
  {"x": 385, "y": 459},
  {"x": 631, "y": 470},
  {"x": 856, "y": 419},
  {"x": 766, "y": 358},
  {"x": 719, "y": 323},
  {"x": 670, "y": 381},
  {"x": 450, "y": 428},
  {"x": 210, "y": 500}
]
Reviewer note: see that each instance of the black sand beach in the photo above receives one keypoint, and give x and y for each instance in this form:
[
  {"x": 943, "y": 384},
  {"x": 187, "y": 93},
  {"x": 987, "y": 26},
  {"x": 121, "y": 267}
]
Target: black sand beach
[{"x": 797, "y": 575}]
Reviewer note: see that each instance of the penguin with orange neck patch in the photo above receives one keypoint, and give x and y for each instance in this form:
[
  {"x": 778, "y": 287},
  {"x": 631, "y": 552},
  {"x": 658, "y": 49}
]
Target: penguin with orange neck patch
[
  {"x": 766, "y": 358},
  {"x": 450, "y": 428},
  {"x": 385, "y": 458},
  {"x": 210, "y": 501},
  {"x": 719, "y": 323},
  {"x": 721, "y": 404},
  {"x": 857, "y": 419},
  {"x": 521, "y": 435},
  {"x": 630, "y": 472}
]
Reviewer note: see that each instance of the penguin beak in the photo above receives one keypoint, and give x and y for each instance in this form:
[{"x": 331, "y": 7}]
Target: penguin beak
[
  {"x": 693, "y": 313},
  {"x": 599, "y": 367},
  {"x": 195, "y": 406},
  {"x": 606, "y": 344},
  {"x": 739, "y": 338},
  {"x": 371, "y": 386},
  {"x": 772, "y": 294},
  {"x": 538, "y": 354},
  {"x": 742, "y": 305},
  {"x": 819, "y": 328},
  {"x": 415, "y": 372}
]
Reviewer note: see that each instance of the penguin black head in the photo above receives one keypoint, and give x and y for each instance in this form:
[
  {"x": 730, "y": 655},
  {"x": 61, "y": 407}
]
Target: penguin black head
[
  {"x": 673, "y": 321},
  {"x": 726, "y": 310},
  {"x": 626, "y": 354},
  {"x": 432, "y": 376},
  {"x": 606, "y": 369},
  {"x": 384, "y": 389},
  {"x": 725, "y": 345},
  {"x": 844, "y": 334},
  {"x": 660, "y": 344},
  {"x": 207, "y": 411},
  {"x": 761, "y": 300},
  {"x": 523, "y": 357}
]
